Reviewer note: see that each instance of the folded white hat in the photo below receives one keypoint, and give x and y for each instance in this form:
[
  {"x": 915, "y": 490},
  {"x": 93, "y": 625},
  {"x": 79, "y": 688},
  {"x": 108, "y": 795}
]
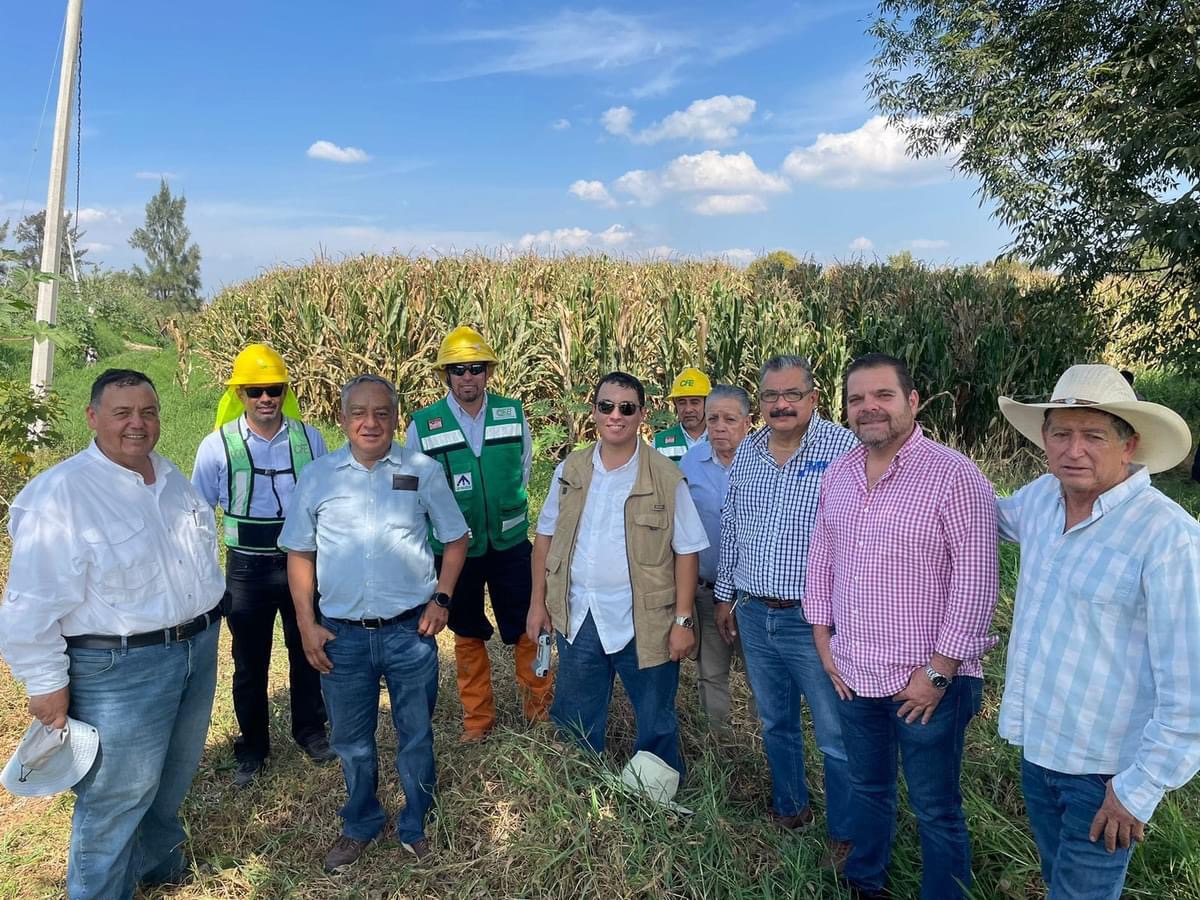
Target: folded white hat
[
  {"x": 49, "y": 760},
  {"x": 649, "y": 775},
  {"x": 1165, "y": 438}
]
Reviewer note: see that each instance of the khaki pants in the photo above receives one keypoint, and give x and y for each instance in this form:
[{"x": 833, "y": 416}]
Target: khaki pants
[{"x": 713, "y": 661}]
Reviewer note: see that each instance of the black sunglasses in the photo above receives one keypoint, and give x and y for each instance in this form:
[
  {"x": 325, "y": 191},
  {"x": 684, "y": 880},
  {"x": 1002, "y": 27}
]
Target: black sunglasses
[
  {"x": 473, "y": 368},
  {"x": 625, "y": 407},
  {"x": 275, "y": 390}
]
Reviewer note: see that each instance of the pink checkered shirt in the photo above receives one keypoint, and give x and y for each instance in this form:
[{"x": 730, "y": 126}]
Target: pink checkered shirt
[{"x": 906, "y": 569}]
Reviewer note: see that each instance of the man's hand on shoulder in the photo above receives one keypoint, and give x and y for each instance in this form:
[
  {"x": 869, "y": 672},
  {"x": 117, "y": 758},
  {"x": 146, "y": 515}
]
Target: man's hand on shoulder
[
  {"x": 1116, "y": 823},
  {"x": 51, "y": 709}
]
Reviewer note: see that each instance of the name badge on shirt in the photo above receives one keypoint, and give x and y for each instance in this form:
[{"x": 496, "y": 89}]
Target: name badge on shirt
[
  {"x": 404, "y": 482},
  {"x": 813, "y": 468}
]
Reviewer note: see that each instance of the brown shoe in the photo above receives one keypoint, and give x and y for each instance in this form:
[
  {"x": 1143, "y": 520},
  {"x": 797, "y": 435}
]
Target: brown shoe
[
  {"x": 473, "y": 737},
  {"x": 420, "y": 849},
  {"x": 801, "y": 821},
  {"x": 835, "y": 855},
  {"x": 344, "y": 852}
]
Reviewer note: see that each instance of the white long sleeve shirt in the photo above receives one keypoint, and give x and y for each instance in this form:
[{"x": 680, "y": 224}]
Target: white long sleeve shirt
[{"x": 95, "y": 550}]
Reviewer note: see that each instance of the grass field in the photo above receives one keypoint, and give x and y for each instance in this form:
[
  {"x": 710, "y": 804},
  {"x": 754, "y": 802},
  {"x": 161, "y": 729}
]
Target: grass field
[{"x": 522, "y": 816}]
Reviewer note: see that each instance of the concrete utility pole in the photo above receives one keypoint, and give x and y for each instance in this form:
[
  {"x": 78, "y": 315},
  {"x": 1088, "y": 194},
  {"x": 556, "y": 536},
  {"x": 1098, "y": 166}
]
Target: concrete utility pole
[{"x": 42, "y": 373}]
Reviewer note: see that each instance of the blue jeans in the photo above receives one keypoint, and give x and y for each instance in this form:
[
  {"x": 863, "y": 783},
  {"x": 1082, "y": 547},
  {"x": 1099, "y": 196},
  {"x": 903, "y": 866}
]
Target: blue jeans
[
  {"x": 408, "y": 664},
  {"x": 1061, "y": 808},
  {"x": 152, "y": 706},
  {"x": 584, "y": 686},
  {"x": 932, "y": 759},
  {"x": 782, "y": 665}
]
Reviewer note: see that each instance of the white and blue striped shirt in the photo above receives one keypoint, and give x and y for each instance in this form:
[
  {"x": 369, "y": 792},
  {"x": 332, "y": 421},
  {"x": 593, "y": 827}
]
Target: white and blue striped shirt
[
  {"x": 1103, "y": 671},
  {"x": 769, "y": 511}
]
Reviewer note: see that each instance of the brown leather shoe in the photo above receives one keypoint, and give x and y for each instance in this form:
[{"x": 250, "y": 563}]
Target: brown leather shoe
[
  {"x": 474, "y": 737},
  {"x": 801, "y": 821},
  {"x": 344, "y": 852},
  {"x": 420, "y": 849},
  {"x": 835, "y": 855}
]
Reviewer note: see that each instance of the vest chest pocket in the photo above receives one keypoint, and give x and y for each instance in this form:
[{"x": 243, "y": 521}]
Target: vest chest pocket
[{"x": 650, "y": 542}]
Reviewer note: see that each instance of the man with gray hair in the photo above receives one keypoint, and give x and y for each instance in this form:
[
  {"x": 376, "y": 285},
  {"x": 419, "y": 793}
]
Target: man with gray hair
[
  {"x": 706, "y": 468},
  {"x": 774, "y": 483},
  {"x": 360, "y": 523}
]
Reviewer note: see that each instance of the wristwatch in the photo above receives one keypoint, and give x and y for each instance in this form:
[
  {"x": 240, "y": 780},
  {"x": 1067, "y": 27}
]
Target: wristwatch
[
  {"x": 685, "y": 622},
  {"x": 939, "y": 681},
  {"x": 441, "y": 599}
]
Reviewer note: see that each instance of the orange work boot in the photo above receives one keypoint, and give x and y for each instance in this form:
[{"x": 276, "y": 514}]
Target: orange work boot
[
  {"x": 474, "y": 688},
  {"x": 536, "y": 693}
]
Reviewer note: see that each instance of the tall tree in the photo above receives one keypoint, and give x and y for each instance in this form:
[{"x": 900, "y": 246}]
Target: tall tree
[
  {"x": 30, "y": 235},
  {"x": 172, "y": 273},
  {"x": 1081, "y": 119}
]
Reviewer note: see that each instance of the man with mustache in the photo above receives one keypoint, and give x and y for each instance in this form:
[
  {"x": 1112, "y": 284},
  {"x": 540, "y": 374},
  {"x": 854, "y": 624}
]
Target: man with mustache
[
  {"x": 774, "y": 482},
  {"x": 687, "y": 395},
  {"x": 248, "y": 465},
  {"x": 903, "y": 575}
]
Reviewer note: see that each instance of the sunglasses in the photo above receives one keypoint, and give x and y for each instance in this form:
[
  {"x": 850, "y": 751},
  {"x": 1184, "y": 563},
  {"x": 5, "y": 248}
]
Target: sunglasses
[
  {"x": 275, "y": 390},
  {"x": 625, "y": 407},
  {"x": 473, "y": 368}
]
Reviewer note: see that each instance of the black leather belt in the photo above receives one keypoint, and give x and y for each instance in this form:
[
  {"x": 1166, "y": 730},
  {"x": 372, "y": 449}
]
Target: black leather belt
[
  {"x": 372, "y": 624},
  {"x": 775, "y": 602},
  {"x": 183, "y": 632}
]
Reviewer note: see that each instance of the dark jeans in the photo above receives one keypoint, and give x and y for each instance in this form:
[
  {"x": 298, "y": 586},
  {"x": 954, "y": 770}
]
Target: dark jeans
[
  {"x": 508, "y": 576},
  {"x": 1061, "y": 808},
  {"x": 408, "y": 664},
  {"x": 932, "y": 759},
  {"x": 256, "y": 588},
  {"x": 583, "y": 691}
]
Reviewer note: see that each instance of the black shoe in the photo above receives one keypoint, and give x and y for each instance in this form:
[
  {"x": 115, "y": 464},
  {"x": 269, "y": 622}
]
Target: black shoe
[
  {"x": 318, "y": 750},
  {"x": 247, "y": 771}
]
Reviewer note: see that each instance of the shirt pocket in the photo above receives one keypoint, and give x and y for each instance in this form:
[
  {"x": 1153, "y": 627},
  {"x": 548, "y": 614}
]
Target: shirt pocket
[
  {"x": 1105, "y": 577},
  {"x": 123, "y": 560}
]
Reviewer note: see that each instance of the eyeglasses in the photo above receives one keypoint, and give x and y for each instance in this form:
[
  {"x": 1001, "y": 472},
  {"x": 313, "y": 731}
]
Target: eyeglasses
[
  {"x": 473, "y": 368},
  {"x": 275, "y": 390},
  {"x": 625, "y": 407},
  {"x": 769, "y": 397}
]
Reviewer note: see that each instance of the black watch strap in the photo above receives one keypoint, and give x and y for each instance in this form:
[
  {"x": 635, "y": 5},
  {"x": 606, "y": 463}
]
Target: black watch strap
[{"x": 442, "y": 599}]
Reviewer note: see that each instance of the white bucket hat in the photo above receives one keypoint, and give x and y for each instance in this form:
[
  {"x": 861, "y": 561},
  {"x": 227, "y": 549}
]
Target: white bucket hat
[
  {"x": 49, "y": 760},
  {"x": 1165, "y": 438},
  {"x": 650, "y": 776}
]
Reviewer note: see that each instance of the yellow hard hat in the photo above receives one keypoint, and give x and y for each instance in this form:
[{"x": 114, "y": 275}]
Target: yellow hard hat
[
  {"x": 691, "y": 382},
  {"x": 258, "y": 364},
  {"x": 464, "y": 345}
]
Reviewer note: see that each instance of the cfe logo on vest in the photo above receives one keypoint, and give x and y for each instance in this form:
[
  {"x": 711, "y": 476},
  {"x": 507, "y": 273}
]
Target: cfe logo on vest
[{"x": 462, "y": 483}]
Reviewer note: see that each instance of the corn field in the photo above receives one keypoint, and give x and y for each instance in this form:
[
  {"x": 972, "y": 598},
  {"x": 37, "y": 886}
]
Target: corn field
[{"x": 969, "y": 334}]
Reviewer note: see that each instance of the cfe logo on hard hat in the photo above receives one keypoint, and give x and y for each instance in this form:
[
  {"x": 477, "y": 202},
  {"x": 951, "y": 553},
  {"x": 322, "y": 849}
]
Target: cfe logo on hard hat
[{"x": 687, "y": 382}]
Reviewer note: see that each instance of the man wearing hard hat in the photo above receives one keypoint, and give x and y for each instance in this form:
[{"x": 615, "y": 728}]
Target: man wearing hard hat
[
  {"x": 688, "y": 391},
  {"x": 248, "y": 466},
  {"x": 483, "y": 444}
]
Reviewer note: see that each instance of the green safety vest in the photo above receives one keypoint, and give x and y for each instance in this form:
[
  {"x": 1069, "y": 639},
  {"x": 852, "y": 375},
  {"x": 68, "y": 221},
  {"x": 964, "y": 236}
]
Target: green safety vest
[
  {"x": 489, "y": 488},
  {"x": 672, "y": 443},
  {"x": 243, "y": 531}
]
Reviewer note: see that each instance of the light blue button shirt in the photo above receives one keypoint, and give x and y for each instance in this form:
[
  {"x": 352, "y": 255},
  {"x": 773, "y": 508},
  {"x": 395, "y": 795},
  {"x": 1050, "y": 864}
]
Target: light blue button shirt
[
  {"x": 707, "y": 481},
  {"x": 1103, "y": 671},
  {"x": 370, "y": 529}
]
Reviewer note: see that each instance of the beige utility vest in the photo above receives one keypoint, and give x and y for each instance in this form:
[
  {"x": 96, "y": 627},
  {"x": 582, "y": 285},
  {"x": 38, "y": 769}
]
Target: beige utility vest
[{"x": 649, "y": 527}]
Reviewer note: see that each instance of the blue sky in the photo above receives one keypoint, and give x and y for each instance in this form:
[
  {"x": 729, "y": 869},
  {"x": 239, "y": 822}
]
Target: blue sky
[{"x": 668, "y": 129}]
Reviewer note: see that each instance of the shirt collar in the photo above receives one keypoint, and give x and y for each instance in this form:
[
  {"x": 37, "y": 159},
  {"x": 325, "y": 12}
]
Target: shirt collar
[
  {"x": 248, "y": 433},
  {"x": 343, "y": 457},
  {"x": 457, "y": 408},
  {"x": 598, "y": 465},
  {"x": 159, "y": 463},
  {"x": 1115, "y": 496},
  {"x": 812, "y": 433}
]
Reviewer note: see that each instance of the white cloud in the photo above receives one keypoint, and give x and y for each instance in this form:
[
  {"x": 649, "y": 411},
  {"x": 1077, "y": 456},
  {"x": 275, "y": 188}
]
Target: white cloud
[
  {"x": 560, "y": 124},
  {"x": 729, "y": 204},
  {"x": 641, "y": 185},
  {"x": 330, "y": 151},
  {"x": 926, "y": 244},
  {"x": 715, "y": 171},
  {"x": 739, "y": 256},
  {"x": 660, "y": 251},
  {"x": 873, "y": 155},
  {"x": 617, "y": 120},
  {"x": 89, "y": 215},
  {"x": 713, "y": 121},
  {"x": 862, "y": 245},
  {"x": 592, "y": 191},
  {"x": 571, "y": 239},
  {"x": 95, "y": 246},
  {"x": 155, "y": 176}
]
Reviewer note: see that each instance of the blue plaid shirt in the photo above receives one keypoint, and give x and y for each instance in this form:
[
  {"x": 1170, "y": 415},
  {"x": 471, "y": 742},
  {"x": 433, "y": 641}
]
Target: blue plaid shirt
[
  {"x": 770, "y": 509},
  {"x": 1103, "y": 672}
]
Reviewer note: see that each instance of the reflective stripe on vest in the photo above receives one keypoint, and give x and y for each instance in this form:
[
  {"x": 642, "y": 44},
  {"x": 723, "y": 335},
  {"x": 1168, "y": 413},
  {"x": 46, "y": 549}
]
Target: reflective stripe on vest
[{"x": 243, "y": 531}]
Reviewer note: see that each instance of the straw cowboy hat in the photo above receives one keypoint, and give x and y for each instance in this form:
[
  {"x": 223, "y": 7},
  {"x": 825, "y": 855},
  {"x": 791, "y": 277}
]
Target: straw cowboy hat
[
  {"x": 49, "y": 760},
  {"x": 1165, "y": 438}
]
